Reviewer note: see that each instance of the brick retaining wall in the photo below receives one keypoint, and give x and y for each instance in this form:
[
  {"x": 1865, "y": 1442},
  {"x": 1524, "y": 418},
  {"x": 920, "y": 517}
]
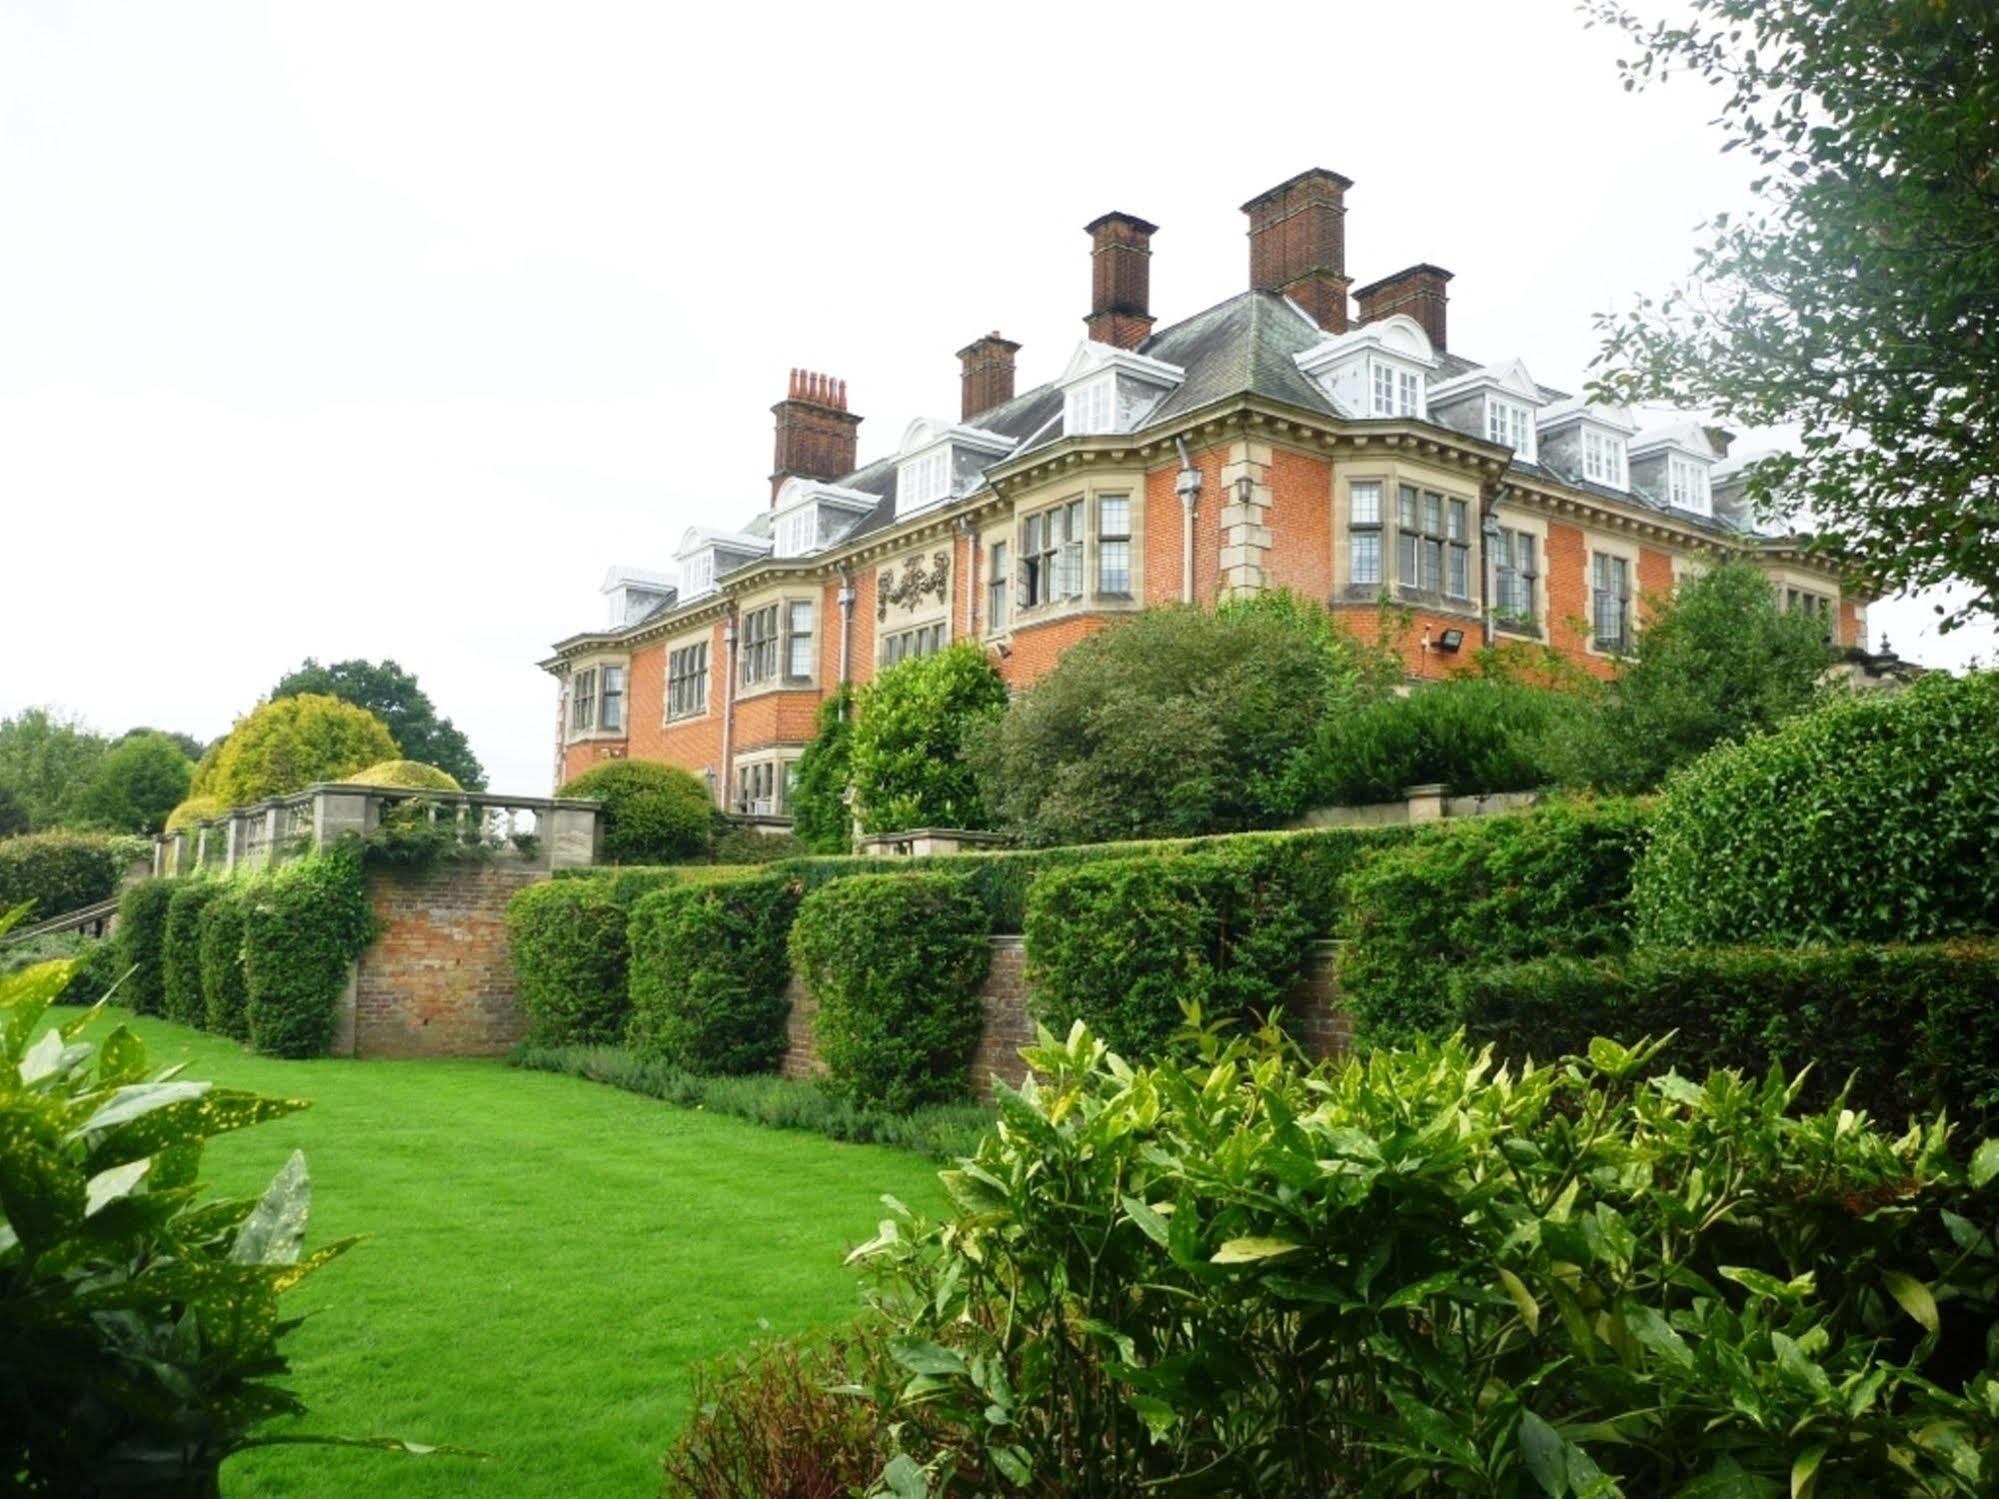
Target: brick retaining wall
[
  {"x": 439, "y": 980},
  {"x": 1317, "y": 1019}
]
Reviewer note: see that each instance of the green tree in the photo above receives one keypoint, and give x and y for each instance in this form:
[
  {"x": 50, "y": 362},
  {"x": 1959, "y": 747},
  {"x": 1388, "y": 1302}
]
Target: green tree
[
  {"x": 1721, "y": 660},
  {"x": 393, "y": 696},
  {"x": 1857, "y": 299},
  {"x": 911, "y": 726},
  {"x": 46, "y": 758},
  {"x": 820, "y": 816},
  {"x": 1176, "y": 722},
  {"x": 282, "y": 746},
  {"x": 139, "y": 781},
  {"x": 13, "y": 816},
  {"x": 187, "y": 744}
]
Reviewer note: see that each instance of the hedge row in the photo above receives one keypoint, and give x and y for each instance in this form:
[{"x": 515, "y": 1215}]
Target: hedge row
[
  {"x": 181, "y": 991},
  {"x": 708, "y": 974},
  {"x": 58, "y": 872},
  {"x": 142, "y": 943},
  {"x": 1915, "y": 1026}
]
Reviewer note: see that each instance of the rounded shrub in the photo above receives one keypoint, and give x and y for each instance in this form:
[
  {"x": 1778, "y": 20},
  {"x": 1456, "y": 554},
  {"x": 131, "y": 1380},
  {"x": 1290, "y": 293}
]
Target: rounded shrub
[
  {"x": 569, "y": 952},
  {"x": 194, "y": 810},
  {"x": 225, "y": 996},
  {"x": 405, "y": 775},
  {"x": 653, "y": 813},
  {"x": 61, "y": 871},
  {"x": 303, "y": 925},
  {"x": 708, "y": 974},
  {"x": 180, "y": 951},
  {"x": 288, "y": 744},
  {"x": 894, "y": 962},
  {"x": 1873, "y": 818},
  {"x": 142, "y": 941}
]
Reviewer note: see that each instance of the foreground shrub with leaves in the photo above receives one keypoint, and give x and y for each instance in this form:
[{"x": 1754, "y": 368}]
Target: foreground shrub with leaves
[
  {"x": 140, "y": 1327},
  {"x": 1415, "y": 1273},
  {"x": 567, "y": 938}
]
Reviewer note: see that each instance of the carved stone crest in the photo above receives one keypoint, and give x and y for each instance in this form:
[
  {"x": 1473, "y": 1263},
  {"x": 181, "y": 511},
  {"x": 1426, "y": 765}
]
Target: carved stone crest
[{"x": 916, "y": 580}]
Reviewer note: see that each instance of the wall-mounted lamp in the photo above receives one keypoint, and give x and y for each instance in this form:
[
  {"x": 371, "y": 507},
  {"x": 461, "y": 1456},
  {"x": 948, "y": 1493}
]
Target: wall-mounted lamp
[
  {"x": 1245, "y": 490},
  {"x": 1005, "y": 651},
  {"x": 1450, "y": 640}
]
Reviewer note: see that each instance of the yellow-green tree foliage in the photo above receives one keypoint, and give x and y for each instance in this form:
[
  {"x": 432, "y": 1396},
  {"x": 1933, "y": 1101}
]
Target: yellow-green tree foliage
[
  {"x": 406, "y": 775},
  {"x": 282, "y": 746},
  {"x": 195, "y": 809}
]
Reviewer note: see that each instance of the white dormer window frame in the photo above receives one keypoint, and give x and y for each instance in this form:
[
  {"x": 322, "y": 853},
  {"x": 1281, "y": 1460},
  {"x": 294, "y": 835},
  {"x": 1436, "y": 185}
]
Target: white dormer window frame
[
  {"x": 1397, "y": 389},
  {"x": 698, "y": 573},
  {"x": 923, "y": 480},
  {"x": 1603, "y": 457},
  {"x": 1090, "y": 406},
  {"x": 926, "y": 471},
  {"x": 1510, "y": 424},
  {"x": 1379, "y": 370},
  {"x": 1688, "y": 485},
  {"x": 1106, "y": 389}
]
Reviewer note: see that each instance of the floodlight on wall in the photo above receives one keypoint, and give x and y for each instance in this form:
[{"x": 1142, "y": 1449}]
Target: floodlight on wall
[{"x": 1450, "y": 640}]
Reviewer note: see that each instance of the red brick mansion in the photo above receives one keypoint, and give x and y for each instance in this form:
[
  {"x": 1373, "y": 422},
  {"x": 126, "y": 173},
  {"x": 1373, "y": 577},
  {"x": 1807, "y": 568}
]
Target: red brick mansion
[{"x": 1298, "y": 435}]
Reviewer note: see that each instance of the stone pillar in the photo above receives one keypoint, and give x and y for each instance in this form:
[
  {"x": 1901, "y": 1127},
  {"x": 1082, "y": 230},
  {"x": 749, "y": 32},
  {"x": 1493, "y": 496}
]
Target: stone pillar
[
  {"x": 159, "y": 857},
  {"x": 573, "y": 836},
  {"x": 340, "y": 810},
  {"x": 178, "y": 864},
  {"x": 1426, "y": 803},
  {"x": 1245, "y": 497}
]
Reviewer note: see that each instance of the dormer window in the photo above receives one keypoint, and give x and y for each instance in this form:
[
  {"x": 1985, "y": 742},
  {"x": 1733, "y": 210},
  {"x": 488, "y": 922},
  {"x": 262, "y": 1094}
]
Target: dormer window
[
  {"x": 798, "y": 532},
  {"x": 1511, "y": 425},
  {"x": 1380, "y": 369},
  {"x": 941, "y": 460},
  {"x": 809, "y": 515},
  {"x": 1687, "y": 485},
  {"x": 1090, "y": 406},
  {"x": 1673, "y": 465},
  {"x": 706, "y": 556},
  {"x": 699, "y": 570},
  {"x": 923, "y": 481},
  {"x": 1108, "y": 389},
  {"x": 1497, "y": 402},
  {"x": 1603, "y": 458},
  {"x": 1397, "y": 391}
]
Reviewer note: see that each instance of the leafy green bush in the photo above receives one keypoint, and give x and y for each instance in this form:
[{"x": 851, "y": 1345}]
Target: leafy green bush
[
  {"x": 1479, "y": 892},
  {"x": 142, "y": 1325},
  {"x": 708, "y": 974},
  {"x": 303, "y": 924},
  {"x": 569, "y": 953},
  {"x": 142, "y": 941},
  {"x": 748, "y": 846},
  {"x": 1914, "y": 1027},
  {"x": 653, "y": 813},
  {"x": 1175, "y": 722},
  {"x": 287, "y": 744},
  {"x": 96, "y": 958},
  {"x": 1129, "y": 945},
  {"x": 196, "y": 809},
  {"x": 1408, "y": 1273},
  {"x": 1720, "y": 660},
  {"x": 180, "y": 951},
  {"x": 1477, "y": 735},
  {"x": 911, "y": 727},
  {"x": 1313, "y": 862},
  {"x": 817, "y": 801},
  {"x": 62, "y": 871},
  {"x": 406, "y": 775},
  {"x": 943, "y": 1131},
  {"x": 137, "y": 783},
  {"x": 894, "y": 963},
  {"x": 225, "y": 993},
  {"x": 1871, "y": 819}
]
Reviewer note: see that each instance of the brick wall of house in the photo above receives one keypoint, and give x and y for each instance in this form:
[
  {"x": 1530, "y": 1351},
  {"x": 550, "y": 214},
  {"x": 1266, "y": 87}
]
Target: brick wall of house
[
  {"x": 1301, "y": 514},
  {"x": 1035, "y": 648},
  {"x": 439, "y": 980},
  {"x": 1316, "y": 1017},
  {"x": 1566, "y": 566}
]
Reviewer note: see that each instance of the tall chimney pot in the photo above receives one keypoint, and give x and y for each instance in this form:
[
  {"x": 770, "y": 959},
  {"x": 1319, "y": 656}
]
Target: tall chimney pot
[
  {"x": 815, "y": 430},
  {"x": 1298, "y": 244},
  {"x": 1120, "y": 279},
  {"x": 988, "y": 374}
]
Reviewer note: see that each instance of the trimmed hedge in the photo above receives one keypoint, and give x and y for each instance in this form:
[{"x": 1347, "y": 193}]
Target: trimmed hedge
[
  {"x": 708, "y": 974},
  {"x": 1871, "y": 819},
  {"x": 1477, "y": 893},
  {"x": 225, "y": 995},
  {"x": 1313, "y": 862},
  {"x": 90, "y": 983},
  {"x": 569, "y": 953},
  {"x": 142, "y": 939},
  {"x": 61, "y": 871},
  {"x": 303, "y": 925},
  {"x": 653, "y": 813},
  {"x": 894, "y": 962},
  {"x": 180, "y": 952},
  {"x": 1129, "y": 945},
  {"x": 1915, "y": 1026}
]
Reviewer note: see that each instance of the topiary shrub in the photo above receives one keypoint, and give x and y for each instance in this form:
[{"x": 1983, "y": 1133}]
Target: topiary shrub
[
  {"x": 569, "y": 949},
  {"x": 180, "y": 951},
  {"x": 1129, "y": 945},
  {"x": 894, "y": 963},
  {"x": 406, "y": 775},
  {"x": 196, "y": 809},
  {"x": 1872, "y": 819},
  {"x": 708, "y": 972},
  {"x": 1483, "y": 891},
  {"x": 225, "y": 994},
  {"x": 303, "y": 924},
  {"x": 911, "y": 727},
  {"x": 286, "y": 745},
  {"x": 817, "y": 800},
  {"x": 61, "y": 871},
  {"x": 653, "y": 813},
  {"x": 142, "y": 941},
  {"x": 748, "y": 846},
  {"x": 1913, "y": 1027}
]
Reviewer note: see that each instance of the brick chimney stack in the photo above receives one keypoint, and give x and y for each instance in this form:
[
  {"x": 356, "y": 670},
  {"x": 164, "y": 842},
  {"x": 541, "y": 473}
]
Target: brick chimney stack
[
  {"x": 815, "y": 431},
  {"x": 988, "y": 374},
  {"x": 1298, "y": 244},
  {"x": 1418, "y": 291},
  {"x": 1120, "y": 279}
]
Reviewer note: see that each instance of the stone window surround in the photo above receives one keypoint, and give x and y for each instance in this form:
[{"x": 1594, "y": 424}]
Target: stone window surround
[
  {"x": 1391, "y": 473},
  {"x": 784, "y": 599},
  {"x": 780, "y": 757},
  {"x": 703, "y": 636},
  {"x": 1528, "y": 523},
  {"x": 1126, "y": 482},
  {"x": 1596, "y": 543},
  {"x": 596, "y": 662}
]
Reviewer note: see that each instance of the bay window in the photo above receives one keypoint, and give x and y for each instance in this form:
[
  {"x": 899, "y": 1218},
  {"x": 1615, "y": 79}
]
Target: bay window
[
  {"x": 758, "y": 661},
  {"x": 583, "y": 700},
  {"x": 798, "y": 640},
  {"x": 996, "y": 587},
  {"x": 1433, "y": 542},
  {"x": 1513, "y": 576},
  {"x": 1051, "y": 555},
  {"x": 611, "y": 699}
]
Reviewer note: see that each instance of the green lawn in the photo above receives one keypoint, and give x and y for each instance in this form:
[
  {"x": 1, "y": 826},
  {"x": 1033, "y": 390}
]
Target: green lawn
[{"x": 545, "y": 1257}]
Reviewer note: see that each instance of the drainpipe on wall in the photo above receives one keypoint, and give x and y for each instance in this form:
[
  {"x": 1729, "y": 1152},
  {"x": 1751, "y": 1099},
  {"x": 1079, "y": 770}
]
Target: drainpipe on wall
[
  {"x": 729, "y": 709},
  {"x": 1188, "y": 486},
  {"x": 845, "y": 598}
]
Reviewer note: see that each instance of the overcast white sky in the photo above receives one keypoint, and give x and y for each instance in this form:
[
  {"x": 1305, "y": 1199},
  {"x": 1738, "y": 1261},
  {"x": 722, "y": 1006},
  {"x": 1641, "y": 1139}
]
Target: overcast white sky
[{"x": 382, "y": 329}]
